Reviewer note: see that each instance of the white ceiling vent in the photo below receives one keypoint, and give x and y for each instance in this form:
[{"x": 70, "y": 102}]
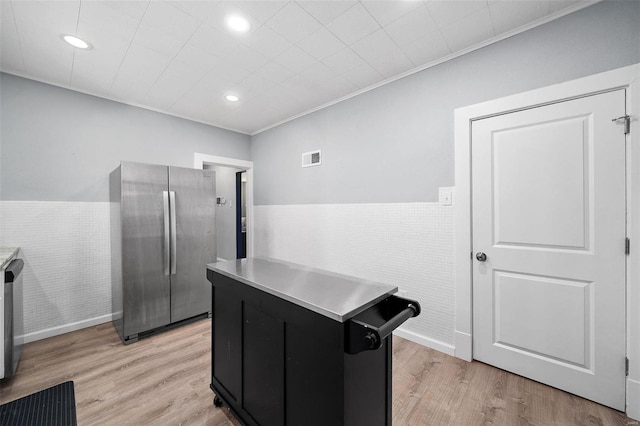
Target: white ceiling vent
[{"x": 311, "y": 158}]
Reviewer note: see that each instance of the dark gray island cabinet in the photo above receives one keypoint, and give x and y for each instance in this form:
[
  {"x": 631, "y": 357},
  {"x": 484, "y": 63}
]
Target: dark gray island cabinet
[{"x": 294, "y": 345}]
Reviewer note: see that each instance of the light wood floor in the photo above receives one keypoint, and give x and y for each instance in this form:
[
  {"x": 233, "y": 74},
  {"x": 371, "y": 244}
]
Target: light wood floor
[{"x": 164, "y": 380}]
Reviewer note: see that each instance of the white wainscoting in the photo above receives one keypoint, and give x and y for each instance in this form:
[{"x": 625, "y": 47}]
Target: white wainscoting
[
  {"x": 410, "y": 245},
  {"x": 67, "y": 274}
]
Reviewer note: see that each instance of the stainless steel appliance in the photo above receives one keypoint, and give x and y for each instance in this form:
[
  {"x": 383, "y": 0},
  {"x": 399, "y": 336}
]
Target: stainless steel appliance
[
  {"x": 13, "y": 318},
  {"x": 162, "y": 237}
]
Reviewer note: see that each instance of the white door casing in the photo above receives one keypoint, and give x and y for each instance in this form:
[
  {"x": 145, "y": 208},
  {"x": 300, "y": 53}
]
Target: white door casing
[
  {"x": 548, "y": 204},
  {"x": 199, "y": 160},
  {"x": 626, "y": 77}
]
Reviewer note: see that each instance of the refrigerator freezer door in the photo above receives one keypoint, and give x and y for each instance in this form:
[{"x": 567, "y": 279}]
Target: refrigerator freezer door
[
  {"x": 194, "y": 206},
  {"x": 146, "y": 290}
]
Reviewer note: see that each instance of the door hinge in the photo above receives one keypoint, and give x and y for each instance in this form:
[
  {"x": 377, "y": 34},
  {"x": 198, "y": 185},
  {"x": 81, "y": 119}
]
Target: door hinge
[
  {"x": 626, "y": 366},
  {"x": 626, "y": 120},
  {"x": 627, "y": 246}
]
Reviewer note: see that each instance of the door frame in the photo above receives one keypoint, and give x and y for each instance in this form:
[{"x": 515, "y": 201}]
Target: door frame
[
  {"x": 199, "y": 160},
  {"x": 622, "y": 78}
]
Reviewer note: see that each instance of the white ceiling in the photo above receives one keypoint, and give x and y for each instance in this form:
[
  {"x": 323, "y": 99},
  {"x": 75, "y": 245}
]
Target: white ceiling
[{"x": 180, "y": 58}]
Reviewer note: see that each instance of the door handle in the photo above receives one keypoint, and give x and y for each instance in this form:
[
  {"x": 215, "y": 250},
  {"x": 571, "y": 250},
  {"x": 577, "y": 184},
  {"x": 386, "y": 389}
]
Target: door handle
[
  {"x": 166, "y": 248},
  {"x": 481, "y": 256},
  {"x": 172, "y": 205}
]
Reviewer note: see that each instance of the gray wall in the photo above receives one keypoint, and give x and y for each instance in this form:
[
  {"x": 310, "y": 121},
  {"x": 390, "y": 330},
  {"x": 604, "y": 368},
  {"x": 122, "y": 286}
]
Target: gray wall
[
  {"x": 60, "y": 145},
  {"x": 395, "y": 143},
  {"x": 58, "y": 148}
]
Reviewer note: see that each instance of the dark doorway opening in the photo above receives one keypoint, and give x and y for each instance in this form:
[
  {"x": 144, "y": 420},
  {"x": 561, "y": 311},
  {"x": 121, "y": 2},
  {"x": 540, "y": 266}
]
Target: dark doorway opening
[{"x": 241, "y": 215}]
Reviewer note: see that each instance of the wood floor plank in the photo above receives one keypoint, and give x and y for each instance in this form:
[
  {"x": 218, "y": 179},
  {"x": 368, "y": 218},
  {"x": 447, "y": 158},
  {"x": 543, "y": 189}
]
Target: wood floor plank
[{"x": 164, "y": 380}]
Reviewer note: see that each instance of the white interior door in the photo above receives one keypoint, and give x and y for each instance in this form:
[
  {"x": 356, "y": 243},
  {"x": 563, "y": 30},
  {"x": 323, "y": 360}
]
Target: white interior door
[{"x": 548, "y": 203}]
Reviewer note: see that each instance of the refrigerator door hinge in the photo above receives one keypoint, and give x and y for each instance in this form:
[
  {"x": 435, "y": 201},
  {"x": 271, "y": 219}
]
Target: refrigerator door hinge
[
  {"x": 626, "y": 366},
  {"x": 627, "y": 246},
  {"x": 626, "y": 120}
]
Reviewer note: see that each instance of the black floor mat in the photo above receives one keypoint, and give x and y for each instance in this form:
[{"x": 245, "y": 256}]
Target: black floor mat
[{"x": 55, "y": 406}]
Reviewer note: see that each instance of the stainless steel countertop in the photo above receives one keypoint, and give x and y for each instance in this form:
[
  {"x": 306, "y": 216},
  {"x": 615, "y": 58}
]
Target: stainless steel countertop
[
  {"x": 336, "y": 296},
  {"x": 6, "y": 253}
]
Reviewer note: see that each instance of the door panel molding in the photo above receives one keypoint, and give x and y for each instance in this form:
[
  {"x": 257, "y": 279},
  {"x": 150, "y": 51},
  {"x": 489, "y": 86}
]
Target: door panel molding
[
  {"x": 627, "y": 78},
  {"x": 510, "y": 308}
]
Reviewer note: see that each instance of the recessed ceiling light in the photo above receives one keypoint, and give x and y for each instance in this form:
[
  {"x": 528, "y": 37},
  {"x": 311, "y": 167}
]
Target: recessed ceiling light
[
  {"x": 76, "y": 42},
  {"x": 232, "y": 98},
  {"x": 238, "y": 23}
]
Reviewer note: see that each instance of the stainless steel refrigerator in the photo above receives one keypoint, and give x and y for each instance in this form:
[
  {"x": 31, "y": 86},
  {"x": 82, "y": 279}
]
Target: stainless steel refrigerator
[{"x": 162, "y": 237}]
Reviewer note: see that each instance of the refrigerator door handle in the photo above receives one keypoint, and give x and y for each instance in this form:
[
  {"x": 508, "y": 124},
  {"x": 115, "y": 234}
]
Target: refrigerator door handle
[
  {"x": 172, "y": 205},
  {"x": 166, "y": 254}
]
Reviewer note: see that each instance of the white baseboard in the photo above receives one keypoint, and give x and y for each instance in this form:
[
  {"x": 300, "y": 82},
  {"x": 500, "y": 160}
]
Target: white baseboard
[
  {"x": 463, "y": 346},
  {"x": 425, "y": 341},
  {"x": 633, "y": 399},
  {"x": 62, "y": 329}
]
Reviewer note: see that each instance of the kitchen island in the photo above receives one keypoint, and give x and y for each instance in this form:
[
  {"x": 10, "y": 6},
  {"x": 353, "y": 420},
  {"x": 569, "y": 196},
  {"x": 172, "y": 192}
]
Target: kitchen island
[{"x": 302, "y": 346}]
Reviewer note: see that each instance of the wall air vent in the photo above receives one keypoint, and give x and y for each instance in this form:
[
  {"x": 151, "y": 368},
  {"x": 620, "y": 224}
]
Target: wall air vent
[{"x": 311, "y": 158}]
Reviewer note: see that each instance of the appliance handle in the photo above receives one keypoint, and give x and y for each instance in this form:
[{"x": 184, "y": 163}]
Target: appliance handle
[
  {"x": 172, "y": 205},
  {"x": 166, "y": 256},
  {"x": 13, "y": 270}
]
